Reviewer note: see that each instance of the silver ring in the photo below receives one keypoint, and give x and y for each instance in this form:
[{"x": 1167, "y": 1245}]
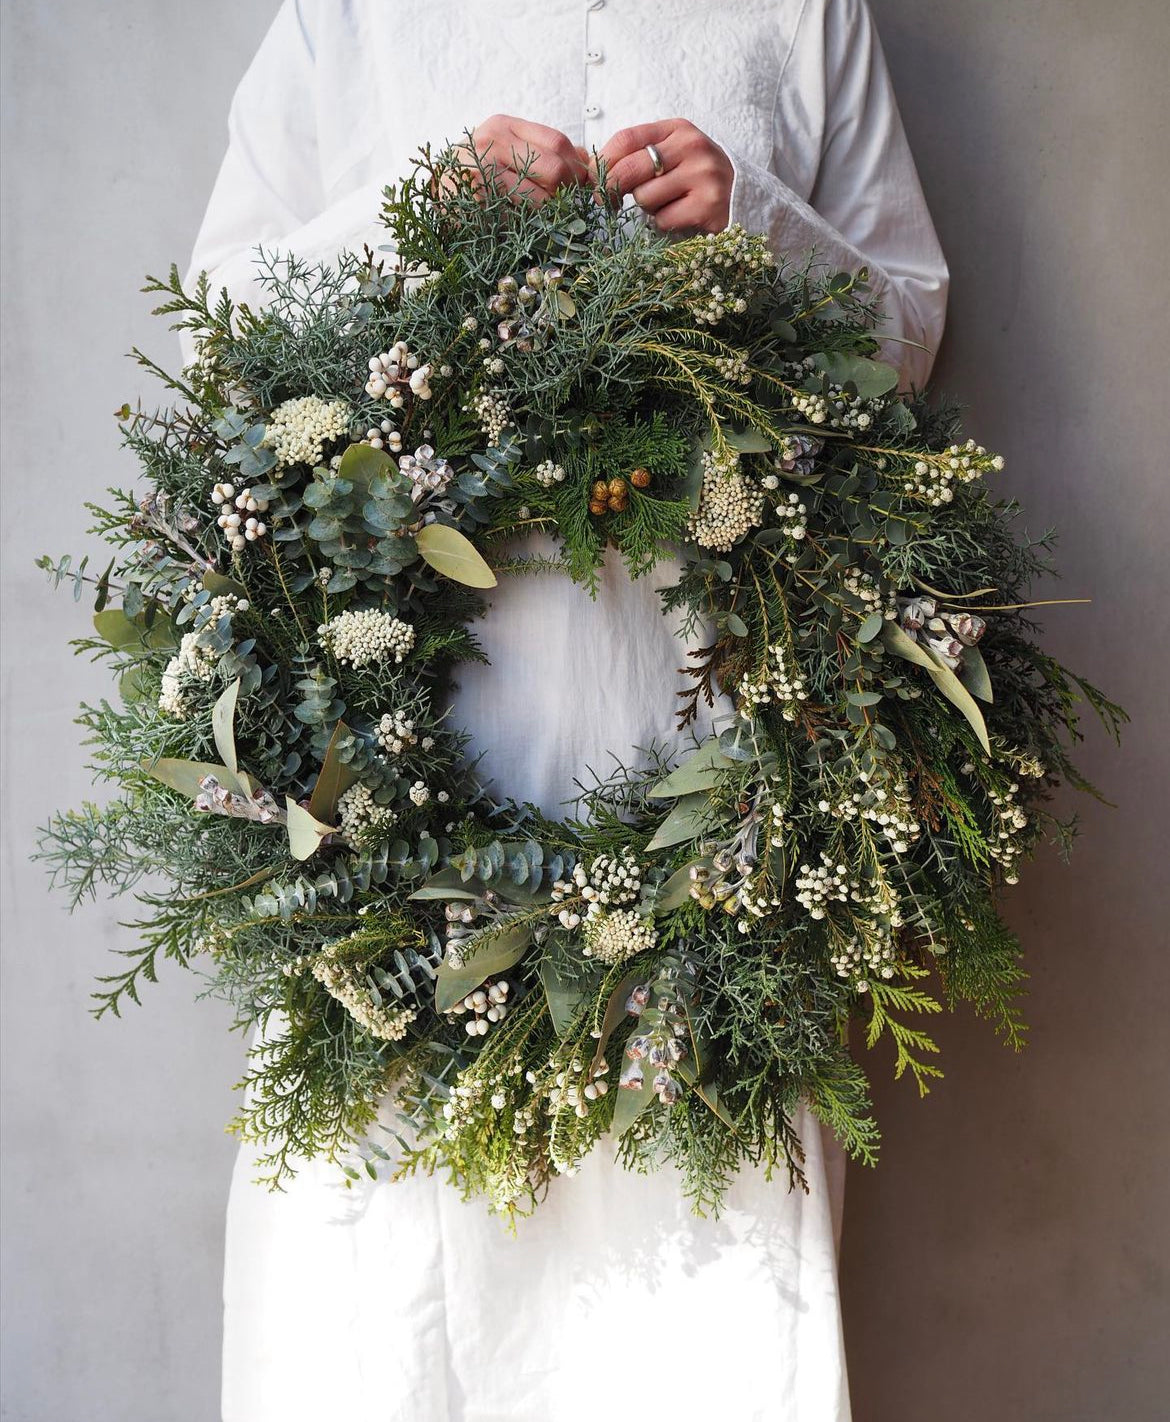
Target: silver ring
[{"x": 656, "y": 159}]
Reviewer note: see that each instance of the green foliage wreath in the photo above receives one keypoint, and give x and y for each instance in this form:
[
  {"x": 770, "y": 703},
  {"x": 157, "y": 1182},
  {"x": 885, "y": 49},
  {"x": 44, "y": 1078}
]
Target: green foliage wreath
[{"x": 342, "y": 475}]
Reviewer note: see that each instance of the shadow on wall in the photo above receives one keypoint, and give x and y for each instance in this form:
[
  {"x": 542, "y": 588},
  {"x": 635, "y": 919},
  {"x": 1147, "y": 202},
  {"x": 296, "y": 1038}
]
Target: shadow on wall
[{"x": 1009, "y": 1258}]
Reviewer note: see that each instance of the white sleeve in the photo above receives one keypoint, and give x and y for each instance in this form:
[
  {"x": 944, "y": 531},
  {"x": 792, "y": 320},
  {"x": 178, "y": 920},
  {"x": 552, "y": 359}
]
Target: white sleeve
[
  {"x": 269, "y": 191},
  {"x": 866, "y": 207}
]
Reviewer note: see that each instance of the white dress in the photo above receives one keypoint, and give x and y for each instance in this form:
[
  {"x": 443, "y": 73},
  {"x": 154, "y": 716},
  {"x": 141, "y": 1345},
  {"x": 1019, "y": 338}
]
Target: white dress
[{"x": 398, "y": 1302}]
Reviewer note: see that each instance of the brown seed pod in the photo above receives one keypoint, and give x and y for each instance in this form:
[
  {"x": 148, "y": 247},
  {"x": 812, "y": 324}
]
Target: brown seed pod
[
  {"x": 618, "y": 505},
  {"x": 597, "y": 509},
  {"x": 600, "y": 490},
  {"x": 640, "y": 478},
  {"x": 617, "y": 487}
]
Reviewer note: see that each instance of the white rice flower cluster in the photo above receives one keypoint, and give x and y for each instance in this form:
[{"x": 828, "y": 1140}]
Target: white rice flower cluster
[
  {"x": 548, "y": 473},
  {"x": 827, "y": 884},
  {"x": 729, "y": 506},
  {"x": 397, "y": 372},
  {"x": 869, "y": 592},
  {"x": 889, "y": 811},
  {"x": 835, "y": 409},
  {"x": 194, "y": 661},
  {"x": 874, "y": 952},
  {"x": 395, "y": 732},
  {"x": 240, "y": 519},
  {"x": 610, "y": 879},
  {"x": 614, "y": 937},
  {"x": 1006, "y": 845},
  {"x": 342, "y": 983},
  {"x": 719, "y": 270},
  {"x": 492, "y": 411},
  {"x": 362, "y": 818},
  {"x": 776, "y": 684},
  {"x": 734, "y": 368},
  {"x": 487, "y": 1005},
  {"x": 366, "y": 636},
  {"x": 383, "y": 436},
  {"x": 299, "y": 429},
  {"x": 933, "y": 480}
]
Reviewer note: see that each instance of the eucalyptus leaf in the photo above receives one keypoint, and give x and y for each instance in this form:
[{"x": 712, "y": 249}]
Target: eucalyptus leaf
[
  {"x": 223, "y": 717},
  {"x": 630, "y": 1104},
  {"x": 676, "y": 892},
  {"x": 975, "y": 676},
  {"x": 615, "y": 1013},
  {"x": 501, "y": 951},
  {"x": 447, "y": 551},
  {"x": 691, "y": 817},
  {"x": 362, "y": 463},
  {"x": 566, "y": 996},
  {"x": 703, "y": 770},
  {"x": 334, "y": 778},
  {"x": 305, "y": 831},
  {"x": 902, "y": 645},
  {"x": 185, "y": 775}
]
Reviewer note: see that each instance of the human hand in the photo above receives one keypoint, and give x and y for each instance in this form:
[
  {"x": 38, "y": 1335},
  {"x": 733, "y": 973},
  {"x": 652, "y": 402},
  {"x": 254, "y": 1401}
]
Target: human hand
[
  {"x": 693, "y": 191},
  {"x": 528, "y": 159}
]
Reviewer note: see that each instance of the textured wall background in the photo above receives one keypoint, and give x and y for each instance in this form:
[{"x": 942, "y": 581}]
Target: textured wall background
[{"x": 1010, "y": 1260}]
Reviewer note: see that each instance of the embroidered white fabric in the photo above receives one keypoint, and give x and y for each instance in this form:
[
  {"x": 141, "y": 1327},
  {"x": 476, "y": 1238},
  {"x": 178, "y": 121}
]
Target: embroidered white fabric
[{"x": 400, "y": 1303}]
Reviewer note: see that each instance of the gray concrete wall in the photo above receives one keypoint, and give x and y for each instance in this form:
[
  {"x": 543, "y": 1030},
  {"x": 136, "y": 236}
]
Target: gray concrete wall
[{"x": 1009, "y": 1260}]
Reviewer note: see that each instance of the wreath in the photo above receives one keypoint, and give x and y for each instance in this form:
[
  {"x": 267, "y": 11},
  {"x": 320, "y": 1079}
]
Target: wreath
[{"x": 341, "y": 477}]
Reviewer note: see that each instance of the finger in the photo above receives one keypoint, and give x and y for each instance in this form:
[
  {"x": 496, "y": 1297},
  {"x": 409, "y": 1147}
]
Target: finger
[
  {"x": 555, "y": 159},
  {"x": 658, "y": 192},
  {"x": 638, "y": 167},
  {"x": 683, "y": 215},
  {"x": 629, "y": 140}
]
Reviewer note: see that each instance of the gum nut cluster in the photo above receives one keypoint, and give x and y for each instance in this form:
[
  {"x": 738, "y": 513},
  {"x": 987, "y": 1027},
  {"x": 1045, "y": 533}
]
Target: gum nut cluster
[
  {"x": 383, "y": 436},
  {"x": 360, "y": 815},
  {"x": 487, "y": 1005},
  {"x": 394, "y": 372},
  {"x": 348, "y": 988},
  {"x": 729, "y": 507},
  {"x": 426, "y": 471},
  {"x": 239, "y": 517},
  {"x": 775, "y": 684},
  {"x": 798, "y": 454},
  {"x": 947, "y": 633},
  {"x": 366, "y": 636},
  {"x": 299, "y": 430},
  {"x": 613, "y": 937},
  {"x": 548, "y": 473},
  {"x": 933, "y": 480}
]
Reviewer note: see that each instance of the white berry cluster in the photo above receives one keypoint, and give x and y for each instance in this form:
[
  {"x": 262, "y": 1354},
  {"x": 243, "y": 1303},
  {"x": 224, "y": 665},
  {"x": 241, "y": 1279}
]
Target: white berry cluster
[
  {"x": 366, "y": 636},
  {"x": 239, "y": 517},
  {"x": 575, "y": 1087},
  {"x": 487, "y": 1005},
  {"x": 383, "y": 435},
  {"x": 396, "y": 372},
  {"x": 614, "y": 937},
  {"x": 776, "y": 684},
  {"x": 791, "y": 515},
  {"x": 359, "y": 998},
  {"x": 548, "y": 473},
  {"x": 395, "y": 731},
  {"x": 729, "y": 506},
  {"x": 718, "y": 273},
  {"x": 362, "y": 818},
  {"x": 419, "y": 793},
  {"x": 299, "y": 429},
  {"x": 933, "y": 479},
  {"x": 492, "y": 411}
]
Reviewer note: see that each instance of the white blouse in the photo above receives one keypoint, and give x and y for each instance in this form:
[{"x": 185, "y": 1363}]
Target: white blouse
[{"x": 399, "y": 1302}]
